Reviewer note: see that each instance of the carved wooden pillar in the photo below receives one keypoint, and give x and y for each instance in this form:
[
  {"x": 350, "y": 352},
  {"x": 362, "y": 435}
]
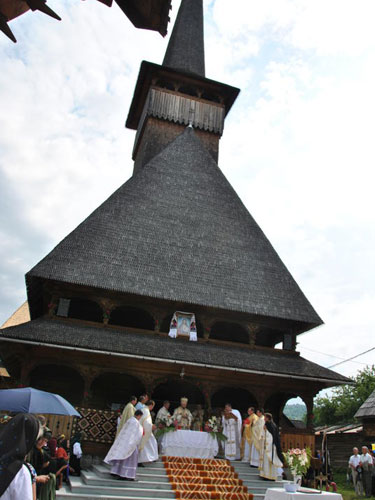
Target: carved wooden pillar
[
  {"x": 25, "y": 374},
  {"x": 206, "y": 324},
  {"x": 88, "y": 374},
  {"x": 52, "y": 306},
  {"x": 107, "y": 306},
  {"x": 309, "y": 402},
  {"x": 206, "y": 389},
  {"x": 252, "y": 331},
  {"x": 158, "y": 319},
  {"x": 149, "y": 382}
]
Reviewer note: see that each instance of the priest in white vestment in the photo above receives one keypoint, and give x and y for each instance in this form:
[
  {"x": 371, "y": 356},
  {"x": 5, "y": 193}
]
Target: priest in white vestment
[
  {"x": 232, "y": 425},
  {"x": 128, "y": 412},
  {"x": 148, "y": 449},
  {"x": 123, "y": 454},
  {"x": 272, "y": 461},
  {"x": 257, "y": 444},
  {"x": 163, "y": 416},
  {"x": 183, "y": 415}
]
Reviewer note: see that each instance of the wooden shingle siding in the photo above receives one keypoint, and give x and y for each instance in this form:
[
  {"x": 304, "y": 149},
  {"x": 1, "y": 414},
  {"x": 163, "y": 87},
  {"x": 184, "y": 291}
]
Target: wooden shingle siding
[{"x": 184, "y": 110}]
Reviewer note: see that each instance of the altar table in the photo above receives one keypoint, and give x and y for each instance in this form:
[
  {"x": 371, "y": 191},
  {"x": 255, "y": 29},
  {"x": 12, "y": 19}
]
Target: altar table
[
  {"x": 192, "y": 444},
  {"x": 281, "y": 494}
]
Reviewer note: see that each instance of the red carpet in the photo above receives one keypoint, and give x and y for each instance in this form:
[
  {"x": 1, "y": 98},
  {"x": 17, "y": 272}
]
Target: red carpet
[{"x": 201, "y": 479}]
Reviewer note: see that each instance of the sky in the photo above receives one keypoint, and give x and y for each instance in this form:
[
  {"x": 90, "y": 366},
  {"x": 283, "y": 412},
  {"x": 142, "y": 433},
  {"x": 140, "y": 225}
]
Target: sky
[{"x": 298, "y": 145}]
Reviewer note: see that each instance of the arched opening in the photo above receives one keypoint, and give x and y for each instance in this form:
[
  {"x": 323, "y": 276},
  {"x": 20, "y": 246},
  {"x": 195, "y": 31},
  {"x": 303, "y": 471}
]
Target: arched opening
[
  {"x": 132, "y": 317},
  {"x": 113, "y": 390},
  {"x": 232, "y": 332},
  {"x": 174, "y": 390},
  {"x": 165, "y": 324},
  {"x": 268, "y": 337},
  {"x": 59, "y": 379},
  {"x": 288, "y": 410},
  {"x": 85, "y": 309},
  {"x": 240, "y": 399}
]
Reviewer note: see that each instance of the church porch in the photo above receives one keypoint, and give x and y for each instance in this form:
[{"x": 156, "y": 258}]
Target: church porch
[{"x": 99, "y": 382}]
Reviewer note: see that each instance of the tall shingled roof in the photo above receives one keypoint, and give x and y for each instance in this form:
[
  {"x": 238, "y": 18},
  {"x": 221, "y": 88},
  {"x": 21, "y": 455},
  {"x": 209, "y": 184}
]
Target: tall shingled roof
[
  {"x": 367, "y": 410},
  {"x": 185, "y": 49},
  {"x": 177, "y": 230}
]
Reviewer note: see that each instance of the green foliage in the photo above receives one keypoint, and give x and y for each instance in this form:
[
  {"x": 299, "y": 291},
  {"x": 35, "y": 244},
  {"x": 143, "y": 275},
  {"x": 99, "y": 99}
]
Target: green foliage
[
  {"x": 295, "y": 411},
  {"x": 345, "y": 400}
]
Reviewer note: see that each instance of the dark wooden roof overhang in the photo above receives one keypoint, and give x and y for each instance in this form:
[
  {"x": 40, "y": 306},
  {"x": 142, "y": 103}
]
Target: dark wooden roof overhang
[
  {"x": 148, "y": 14},
  {"x": 68, "y": 335},
  {"x": 150, "y": 73}
]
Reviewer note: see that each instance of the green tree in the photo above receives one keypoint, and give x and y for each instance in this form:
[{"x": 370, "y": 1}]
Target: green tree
[{"x": 340, "y": 407}]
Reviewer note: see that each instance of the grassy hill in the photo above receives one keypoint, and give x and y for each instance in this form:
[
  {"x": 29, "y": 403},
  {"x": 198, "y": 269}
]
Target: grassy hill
[{"x": 295, "y": 411}]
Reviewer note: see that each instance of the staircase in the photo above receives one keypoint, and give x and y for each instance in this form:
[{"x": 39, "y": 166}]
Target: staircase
[{"x": 153, "y": 482}]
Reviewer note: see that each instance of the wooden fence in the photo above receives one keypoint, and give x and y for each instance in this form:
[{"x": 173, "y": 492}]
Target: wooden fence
[{"x": 300, "y": 440}]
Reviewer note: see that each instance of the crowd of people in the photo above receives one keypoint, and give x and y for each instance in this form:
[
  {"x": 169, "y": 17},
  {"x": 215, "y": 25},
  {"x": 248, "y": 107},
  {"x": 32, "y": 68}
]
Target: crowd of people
[
  {"x": 254, "y": 440},
  {"x": 362, "y": 468},
  {"x": 33, "y": 463}
]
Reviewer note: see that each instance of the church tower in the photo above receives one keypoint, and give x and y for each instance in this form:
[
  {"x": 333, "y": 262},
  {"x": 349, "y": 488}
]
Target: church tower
[
  {"x": 174, "y": 237},
  {"x": 169, "y": 97}
]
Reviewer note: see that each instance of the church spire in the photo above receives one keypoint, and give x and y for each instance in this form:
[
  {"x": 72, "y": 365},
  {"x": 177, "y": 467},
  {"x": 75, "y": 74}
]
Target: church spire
[{"x": 185, "y": 49}]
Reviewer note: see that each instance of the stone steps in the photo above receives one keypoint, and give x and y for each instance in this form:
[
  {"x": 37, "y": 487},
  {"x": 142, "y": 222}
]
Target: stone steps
[
  {"x": 155, "y": 474},
  {"x": 129, "y": 489},
  {"x": 90, "y": 478},
  {"x": 152, "y": 483}
]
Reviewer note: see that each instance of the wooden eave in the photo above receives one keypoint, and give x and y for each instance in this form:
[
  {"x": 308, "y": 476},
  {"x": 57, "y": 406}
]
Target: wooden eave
[{"x": 150, "y": 72}]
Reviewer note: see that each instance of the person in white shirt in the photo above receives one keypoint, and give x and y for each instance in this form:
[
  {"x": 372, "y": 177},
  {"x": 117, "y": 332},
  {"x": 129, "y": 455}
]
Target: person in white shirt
[
  {"x": 354, "y": 461},
  {"x": 367, "y": 466},
  {"x": 76, "y": 453},
  {"x": 142, "y": 400}
]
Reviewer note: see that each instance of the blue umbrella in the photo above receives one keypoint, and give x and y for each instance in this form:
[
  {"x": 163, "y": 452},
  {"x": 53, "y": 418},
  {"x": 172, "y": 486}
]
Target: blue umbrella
[{"x": 29, "y": 400}]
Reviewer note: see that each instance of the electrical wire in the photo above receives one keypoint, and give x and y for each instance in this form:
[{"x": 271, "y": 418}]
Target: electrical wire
[
  {"x": 330, "y": 355},
  {"x": 353, "y": 357}
]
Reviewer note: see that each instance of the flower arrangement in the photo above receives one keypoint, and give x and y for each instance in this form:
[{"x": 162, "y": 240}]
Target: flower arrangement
[
  {"x": 212, "y": 427},
  {"x": 298, "y": 460},
  {"x": 166, "y": 424},
  {"x": 106, "y": 314}
]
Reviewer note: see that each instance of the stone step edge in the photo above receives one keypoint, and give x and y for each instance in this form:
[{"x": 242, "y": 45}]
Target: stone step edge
[
  {"x": 130, "y": 489},
  {"x": 62, "y": 494}
]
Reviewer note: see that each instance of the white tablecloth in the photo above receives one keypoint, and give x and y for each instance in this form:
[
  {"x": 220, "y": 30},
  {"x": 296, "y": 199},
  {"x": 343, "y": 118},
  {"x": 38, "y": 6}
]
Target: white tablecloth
[
  {"x": 281, "y": 494},
  {"x": 189, "y": 444}
]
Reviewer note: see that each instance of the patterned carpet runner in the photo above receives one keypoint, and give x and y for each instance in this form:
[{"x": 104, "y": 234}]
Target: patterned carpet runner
[{"x": 204, "y": 479}]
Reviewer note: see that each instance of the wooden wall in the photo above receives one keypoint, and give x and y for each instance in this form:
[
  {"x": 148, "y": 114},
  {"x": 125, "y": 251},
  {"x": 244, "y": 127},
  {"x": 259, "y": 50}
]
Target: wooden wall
[{"x": 303, "y": 440}]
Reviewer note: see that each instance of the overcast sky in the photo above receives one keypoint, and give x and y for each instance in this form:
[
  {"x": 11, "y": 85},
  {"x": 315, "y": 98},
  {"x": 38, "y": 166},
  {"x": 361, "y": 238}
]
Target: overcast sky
[{"x": 298, "y": 144}]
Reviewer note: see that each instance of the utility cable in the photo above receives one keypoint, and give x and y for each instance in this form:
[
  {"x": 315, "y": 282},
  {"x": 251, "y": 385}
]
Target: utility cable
[
  {"x": 349, "y": 359},
  {"x": 330, "y": 355}
]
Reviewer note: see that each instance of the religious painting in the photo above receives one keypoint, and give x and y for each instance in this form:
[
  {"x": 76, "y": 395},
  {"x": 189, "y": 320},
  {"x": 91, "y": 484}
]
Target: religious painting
[{"x": 183, "y": 324}]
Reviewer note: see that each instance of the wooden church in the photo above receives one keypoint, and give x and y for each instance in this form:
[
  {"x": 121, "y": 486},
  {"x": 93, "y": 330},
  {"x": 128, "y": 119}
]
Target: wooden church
[{"x": 174, "y": 237}]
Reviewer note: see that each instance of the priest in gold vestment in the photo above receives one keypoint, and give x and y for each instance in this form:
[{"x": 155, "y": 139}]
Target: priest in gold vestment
[
  {"x": 182, "y": 415},
  {"x": 128, "y": 412},
  {"x": 248, "y": 434},
  {"x": 257, "y": 445}
]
